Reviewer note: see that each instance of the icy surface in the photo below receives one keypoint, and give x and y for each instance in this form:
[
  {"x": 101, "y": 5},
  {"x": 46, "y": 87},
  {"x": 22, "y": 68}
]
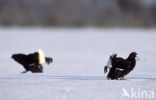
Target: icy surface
[{"x": 79, "y": 59}]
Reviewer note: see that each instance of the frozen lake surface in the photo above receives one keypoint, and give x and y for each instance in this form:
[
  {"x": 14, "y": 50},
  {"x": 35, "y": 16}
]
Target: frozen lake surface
[{"x": 79, "y": 58}]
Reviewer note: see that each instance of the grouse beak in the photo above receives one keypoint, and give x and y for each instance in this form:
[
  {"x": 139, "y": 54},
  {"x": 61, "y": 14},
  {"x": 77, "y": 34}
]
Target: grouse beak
[{"x": 136, "y": 54}]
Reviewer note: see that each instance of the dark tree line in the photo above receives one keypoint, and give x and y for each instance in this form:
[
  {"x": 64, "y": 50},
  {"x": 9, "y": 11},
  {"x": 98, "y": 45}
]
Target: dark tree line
[{"x": 77, "y": 13}]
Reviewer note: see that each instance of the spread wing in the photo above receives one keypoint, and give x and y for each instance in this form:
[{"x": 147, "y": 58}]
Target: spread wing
[{"x": 20, "y": 58}]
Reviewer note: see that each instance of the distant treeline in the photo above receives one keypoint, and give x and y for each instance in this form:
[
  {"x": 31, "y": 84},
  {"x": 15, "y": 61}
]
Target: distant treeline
[{"x": 78, "y": 13}]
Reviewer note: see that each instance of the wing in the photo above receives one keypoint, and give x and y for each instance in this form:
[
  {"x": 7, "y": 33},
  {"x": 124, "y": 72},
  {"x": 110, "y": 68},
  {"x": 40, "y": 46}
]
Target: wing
[
  {"x": 48, "y": 60},
  {"x": 33, "y": 58},
  {"x": 130, "y": 67},
  {"x": 120, "y": 63},
  {"x": 121, "y": 66},
  {"x": 20, "y": 58}
]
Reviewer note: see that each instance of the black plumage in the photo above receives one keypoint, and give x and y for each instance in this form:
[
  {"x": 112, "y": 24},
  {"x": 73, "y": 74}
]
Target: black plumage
[
  {"x": 121, "y": 67},
  {"x": 31, "y": 62}
]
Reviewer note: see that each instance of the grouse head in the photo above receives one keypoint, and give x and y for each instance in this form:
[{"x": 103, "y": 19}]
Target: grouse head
[{"x": 132, "y": 56}]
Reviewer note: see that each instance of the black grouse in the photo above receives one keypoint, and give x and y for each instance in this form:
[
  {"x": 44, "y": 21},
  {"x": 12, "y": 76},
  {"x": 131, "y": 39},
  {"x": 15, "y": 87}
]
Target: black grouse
[
  {"x": 120, "y": 67},
  {"x": 32, "y": 62}
]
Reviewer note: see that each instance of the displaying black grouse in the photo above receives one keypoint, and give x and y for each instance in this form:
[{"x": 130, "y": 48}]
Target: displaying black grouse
[
  {"x": 32, "y": 62},
  {"x": 120, "y": 67}
]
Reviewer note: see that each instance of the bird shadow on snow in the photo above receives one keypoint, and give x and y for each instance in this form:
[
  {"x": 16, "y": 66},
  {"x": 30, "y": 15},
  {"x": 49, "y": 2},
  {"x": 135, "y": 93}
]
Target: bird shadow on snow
[
  {"x": 77, "y": 77},
  {"x": 70, "y": 77},
  {"x": 95, "y": 78},
  {"x": 142, "y": 78},
  {"x": 54, "y": 77}
]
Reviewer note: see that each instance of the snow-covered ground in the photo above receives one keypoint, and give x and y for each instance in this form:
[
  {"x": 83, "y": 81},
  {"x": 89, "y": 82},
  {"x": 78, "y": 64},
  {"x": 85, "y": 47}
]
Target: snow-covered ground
[{"x": 79, "y": 58}]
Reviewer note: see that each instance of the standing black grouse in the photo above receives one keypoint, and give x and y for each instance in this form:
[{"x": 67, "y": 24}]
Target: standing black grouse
[
  {"x": 120, "y": 67},
  {"x": 32, "y": 62}
]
